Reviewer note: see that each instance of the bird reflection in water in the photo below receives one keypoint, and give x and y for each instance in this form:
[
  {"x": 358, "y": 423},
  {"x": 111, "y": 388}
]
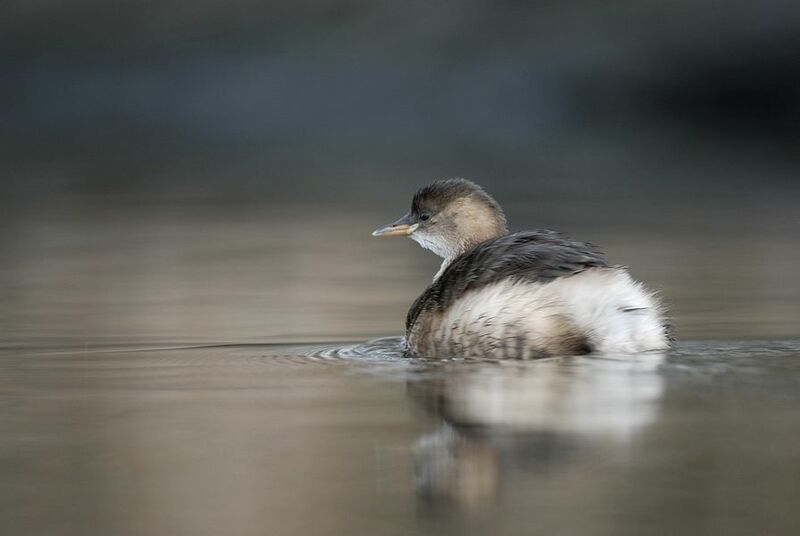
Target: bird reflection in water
[{"x": 525, "y": 418}]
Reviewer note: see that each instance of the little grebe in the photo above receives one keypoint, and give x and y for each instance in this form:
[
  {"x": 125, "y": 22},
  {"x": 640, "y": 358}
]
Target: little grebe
[{"x": 520, "y": 295}]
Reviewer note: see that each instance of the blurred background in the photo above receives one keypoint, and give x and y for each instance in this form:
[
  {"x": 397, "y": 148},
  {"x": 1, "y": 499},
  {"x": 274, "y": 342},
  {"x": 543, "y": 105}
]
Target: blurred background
[
  {"x": 206, "y": 171},
  {"x": 180, "y": 172}
]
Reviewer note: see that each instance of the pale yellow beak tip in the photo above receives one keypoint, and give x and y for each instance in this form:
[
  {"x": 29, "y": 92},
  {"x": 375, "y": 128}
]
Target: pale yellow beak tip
[{"x": 395, "y": 230}]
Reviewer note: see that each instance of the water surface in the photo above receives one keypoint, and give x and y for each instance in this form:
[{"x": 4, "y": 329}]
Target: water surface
[
  {"x": 356, "y": 439},
  {"x": 203, "y": 370}
]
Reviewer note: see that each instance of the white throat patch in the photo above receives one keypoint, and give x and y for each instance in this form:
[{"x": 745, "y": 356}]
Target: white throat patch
[
  {"x": 437, "y": 245},
  {"x": 434, "y": 243}
]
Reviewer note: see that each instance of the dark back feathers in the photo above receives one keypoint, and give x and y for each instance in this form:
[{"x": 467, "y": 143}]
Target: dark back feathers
[{"x": 535, "y": 256}]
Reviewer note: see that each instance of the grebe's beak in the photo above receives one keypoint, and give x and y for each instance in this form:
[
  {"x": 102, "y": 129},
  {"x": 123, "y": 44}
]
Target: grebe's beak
[{"x": 402, "y": 227}]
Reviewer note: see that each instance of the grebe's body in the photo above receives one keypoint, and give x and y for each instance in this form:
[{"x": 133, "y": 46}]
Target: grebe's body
[{"x": 521, "y": 295}]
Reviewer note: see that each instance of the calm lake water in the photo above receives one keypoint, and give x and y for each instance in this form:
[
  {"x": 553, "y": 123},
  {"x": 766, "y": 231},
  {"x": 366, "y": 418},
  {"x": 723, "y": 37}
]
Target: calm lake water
[{"x": 203, "y": 370}]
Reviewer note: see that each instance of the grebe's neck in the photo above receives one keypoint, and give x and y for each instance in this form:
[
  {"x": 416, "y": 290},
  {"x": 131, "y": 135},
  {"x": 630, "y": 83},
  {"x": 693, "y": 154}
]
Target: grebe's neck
[
  {"x": 442, "y": 268},
  {"x": 466, "y": 243}
]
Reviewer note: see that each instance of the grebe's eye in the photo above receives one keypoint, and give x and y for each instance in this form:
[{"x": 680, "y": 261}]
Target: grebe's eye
[{"x": 425, "y": 217}]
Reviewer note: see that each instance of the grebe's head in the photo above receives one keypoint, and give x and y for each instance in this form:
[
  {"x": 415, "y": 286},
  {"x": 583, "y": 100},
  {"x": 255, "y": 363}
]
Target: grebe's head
[{"x": 449, "y": 217}]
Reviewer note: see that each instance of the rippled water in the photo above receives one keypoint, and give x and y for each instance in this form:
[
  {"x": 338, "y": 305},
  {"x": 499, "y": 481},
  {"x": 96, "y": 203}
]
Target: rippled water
[
  {"x": 356, "y": 439},
  {"x": 165, "y": 374}
]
